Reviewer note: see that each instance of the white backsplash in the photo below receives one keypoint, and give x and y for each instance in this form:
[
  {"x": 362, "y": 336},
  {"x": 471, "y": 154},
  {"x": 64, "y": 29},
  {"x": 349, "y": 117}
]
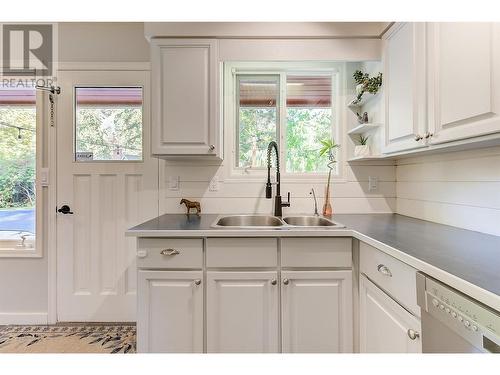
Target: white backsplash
[
  {"x": 459, "y": 188},
  {"x": 349, "y": 196}
]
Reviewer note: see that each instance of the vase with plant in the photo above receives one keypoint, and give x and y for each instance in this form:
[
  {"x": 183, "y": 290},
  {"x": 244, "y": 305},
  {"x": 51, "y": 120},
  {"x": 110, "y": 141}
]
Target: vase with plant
[
  {"x": 362, "y": 149},
  {"x": 365, "y": 83},
  {"x": 329, "y": 149}
]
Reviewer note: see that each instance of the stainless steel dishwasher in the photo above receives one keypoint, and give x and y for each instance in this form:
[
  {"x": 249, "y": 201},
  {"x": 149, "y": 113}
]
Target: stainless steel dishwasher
[{"x": 453, "y": 322}]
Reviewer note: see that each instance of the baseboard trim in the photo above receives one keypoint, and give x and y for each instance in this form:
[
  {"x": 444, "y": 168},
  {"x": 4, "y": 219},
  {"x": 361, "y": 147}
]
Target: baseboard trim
[{"x": 23, "y": 318}]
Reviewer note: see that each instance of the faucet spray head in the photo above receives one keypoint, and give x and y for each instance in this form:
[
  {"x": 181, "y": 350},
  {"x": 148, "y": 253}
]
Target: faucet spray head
[{"x": 269, "y": 190}]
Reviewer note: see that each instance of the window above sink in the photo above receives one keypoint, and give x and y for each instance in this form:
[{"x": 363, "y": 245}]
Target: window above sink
[{"x": 294, "y": 104}]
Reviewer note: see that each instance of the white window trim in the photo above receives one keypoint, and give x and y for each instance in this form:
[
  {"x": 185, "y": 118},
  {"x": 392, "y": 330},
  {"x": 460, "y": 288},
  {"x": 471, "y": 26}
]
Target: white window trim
[
  {"x": 237, "y": 174},
  {"x": 9, "y": 248}
]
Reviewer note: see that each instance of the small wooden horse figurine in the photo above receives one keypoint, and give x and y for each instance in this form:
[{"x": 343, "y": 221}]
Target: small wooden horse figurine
[{"x": 189, "y": 205}]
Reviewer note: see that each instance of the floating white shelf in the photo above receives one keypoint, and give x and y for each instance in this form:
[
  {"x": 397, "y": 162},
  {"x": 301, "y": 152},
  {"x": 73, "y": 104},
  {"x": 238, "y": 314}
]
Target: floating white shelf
[
  {"x": 368, "y": 158},
  {"x": 355, "y": 104},
  {"x": 363, "y": 128}
]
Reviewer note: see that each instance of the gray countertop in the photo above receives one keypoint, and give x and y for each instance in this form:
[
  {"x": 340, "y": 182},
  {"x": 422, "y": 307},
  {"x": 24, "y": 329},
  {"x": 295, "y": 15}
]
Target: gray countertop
[
  {"x": 467, "y": 255},
  {"x": 471, "y": 256}
]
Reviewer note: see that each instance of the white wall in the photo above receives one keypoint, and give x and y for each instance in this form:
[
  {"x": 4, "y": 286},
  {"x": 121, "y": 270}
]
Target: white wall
[
  {"x": 102, "y": 42},
  {"x": 459, "y": 188}
]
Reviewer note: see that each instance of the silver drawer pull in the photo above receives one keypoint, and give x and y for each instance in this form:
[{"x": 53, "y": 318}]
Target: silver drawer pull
[
  {"x": 274, "y": 282},
  {"x": 197, "y": 282},
  {"x": 286, "y": 281},
  {"x": 170, "y": 252},
  {"x": 413, "y": 335},
  {"x": 384, "y": 270}
]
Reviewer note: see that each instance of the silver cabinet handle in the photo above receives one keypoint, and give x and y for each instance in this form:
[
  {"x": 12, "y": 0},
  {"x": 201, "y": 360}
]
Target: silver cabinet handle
[
  {"x": 286, "y": 281},
  {"x": 428, "y": 135},
  {"x": 212, "y": 147},
  {"x": 274, "y": 282},
  {"x": 413, "y": 335},
  {"x": 197, "y": 282},
  {"x": 384, "y": 270},
  {"x": 169, "y": 252},
  {"x": 418, "y": 137}
]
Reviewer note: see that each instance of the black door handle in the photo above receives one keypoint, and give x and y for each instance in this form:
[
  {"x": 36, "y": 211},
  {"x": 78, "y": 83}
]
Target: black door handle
[{"x": 66, "y": 210}]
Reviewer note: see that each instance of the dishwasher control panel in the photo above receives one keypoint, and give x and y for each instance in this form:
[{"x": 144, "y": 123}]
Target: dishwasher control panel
[{"x": 475, "y": 322}]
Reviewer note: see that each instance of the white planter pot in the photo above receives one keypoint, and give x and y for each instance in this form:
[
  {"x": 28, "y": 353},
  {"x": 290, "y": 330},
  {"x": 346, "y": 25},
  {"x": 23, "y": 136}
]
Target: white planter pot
[
  {"x": 361, "y": 150},
  {"x": 359, "y": 89}
]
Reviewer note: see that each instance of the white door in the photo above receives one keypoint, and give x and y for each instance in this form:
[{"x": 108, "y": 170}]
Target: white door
[
  {"x": 316, "y": 311},
  {"x": 385, "y": 325},
  {"x": 242, "y": 312},
  {"x": 464, "y": 80},
  {"x": 405, "y": 87},
  {"x": 170, "y": 311},
  {"x": 99, "y": 116}
]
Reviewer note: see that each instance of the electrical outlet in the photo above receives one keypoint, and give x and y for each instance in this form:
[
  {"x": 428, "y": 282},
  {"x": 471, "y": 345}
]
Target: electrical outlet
[
  {"x": 372, "y": 183},
  {"x": 214, "y": 184},
  {"x": 173, "y": 183}
]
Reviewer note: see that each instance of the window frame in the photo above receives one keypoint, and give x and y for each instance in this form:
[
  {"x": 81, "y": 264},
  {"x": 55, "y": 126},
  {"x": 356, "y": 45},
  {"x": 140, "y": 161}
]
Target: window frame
[
  {"x": 8, "y": 247},
  {"x": 232, "y": 70},
  {"x": 75, "y": 108}
]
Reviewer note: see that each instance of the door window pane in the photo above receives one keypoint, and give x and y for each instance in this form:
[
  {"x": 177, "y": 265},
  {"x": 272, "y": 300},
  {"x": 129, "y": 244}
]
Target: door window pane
[
  {"x": 257, "y": 117},
  {"x": 309, "y": 121},
  {"x": 108, "y": 123},
  {"x": 17, "y": 166}
]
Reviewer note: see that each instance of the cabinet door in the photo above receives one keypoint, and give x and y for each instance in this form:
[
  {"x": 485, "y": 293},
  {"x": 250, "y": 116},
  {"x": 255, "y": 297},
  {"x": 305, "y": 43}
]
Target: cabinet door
[
  {"x": 242, "y": 312},
  {"x": 404, "y": 87},
  {"x": 185, "y": 97},
  {"x": 464, "y": 82},
  {"x": 384, "y": 324},
  {"x": 170, "y": 312},
  {"x": 317, "y": 311}
]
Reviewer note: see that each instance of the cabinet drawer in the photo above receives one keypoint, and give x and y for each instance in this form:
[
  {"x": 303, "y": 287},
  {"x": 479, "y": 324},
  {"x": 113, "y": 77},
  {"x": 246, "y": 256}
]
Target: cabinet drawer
[
  {"x": 316, "y": 252},
  {"x": 395, "y": 277},
  {"x": 242, "y": 252},
  {"x": 169, "y": 253}
]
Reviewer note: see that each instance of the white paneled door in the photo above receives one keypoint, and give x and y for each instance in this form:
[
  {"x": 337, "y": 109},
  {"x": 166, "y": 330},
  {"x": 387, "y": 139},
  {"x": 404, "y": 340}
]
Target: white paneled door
[{"x": 109, "y": 182}]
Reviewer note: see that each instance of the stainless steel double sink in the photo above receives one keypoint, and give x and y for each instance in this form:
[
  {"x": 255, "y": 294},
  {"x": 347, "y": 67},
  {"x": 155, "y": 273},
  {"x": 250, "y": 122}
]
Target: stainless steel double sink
[{"x": 274, "y": 222}]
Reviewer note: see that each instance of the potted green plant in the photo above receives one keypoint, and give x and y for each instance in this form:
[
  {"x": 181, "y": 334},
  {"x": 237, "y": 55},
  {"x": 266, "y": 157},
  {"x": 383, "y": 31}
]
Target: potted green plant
[
  {"x": 362, "y": 149},
  {"x": 365, "y": 83},
  {"x": 329, "y": 148}
]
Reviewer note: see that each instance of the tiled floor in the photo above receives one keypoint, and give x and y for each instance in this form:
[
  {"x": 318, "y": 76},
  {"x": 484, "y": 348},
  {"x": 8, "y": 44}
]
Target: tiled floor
[{"x": 68, "y": 338}]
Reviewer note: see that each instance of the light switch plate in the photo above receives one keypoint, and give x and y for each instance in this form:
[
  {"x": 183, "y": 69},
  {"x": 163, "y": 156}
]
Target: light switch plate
[
  {"x": 372, "y": 183},
  {"x": 173, "y": 183},
  {"x": 44, "y": 177},
  {"x": 214, "y": 184}
]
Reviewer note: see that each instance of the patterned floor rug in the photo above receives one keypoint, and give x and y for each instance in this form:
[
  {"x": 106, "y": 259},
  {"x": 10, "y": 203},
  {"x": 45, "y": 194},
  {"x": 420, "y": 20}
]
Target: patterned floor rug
[{"x": 68, "y": 339}]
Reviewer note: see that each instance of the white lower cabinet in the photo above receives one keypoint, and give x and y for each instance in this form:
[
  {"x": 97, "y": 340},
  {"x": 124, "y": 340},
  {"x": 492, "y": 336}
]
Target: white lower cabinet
[
  {"x": 316, "y": 311},
  {"x": 242, "y": 312},
  {"x": 170, "y": 312},
  {"x": 385, "y": 326}
]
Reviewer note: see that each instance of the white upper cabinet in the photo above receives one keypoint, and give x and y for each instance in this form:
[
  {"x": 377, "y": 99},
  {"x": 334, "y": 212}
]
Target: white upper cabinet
[
  {"x": 464, "y": 87},
  {"x": 405, "y": 96},
  {"x": 185, "y": 100}
]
